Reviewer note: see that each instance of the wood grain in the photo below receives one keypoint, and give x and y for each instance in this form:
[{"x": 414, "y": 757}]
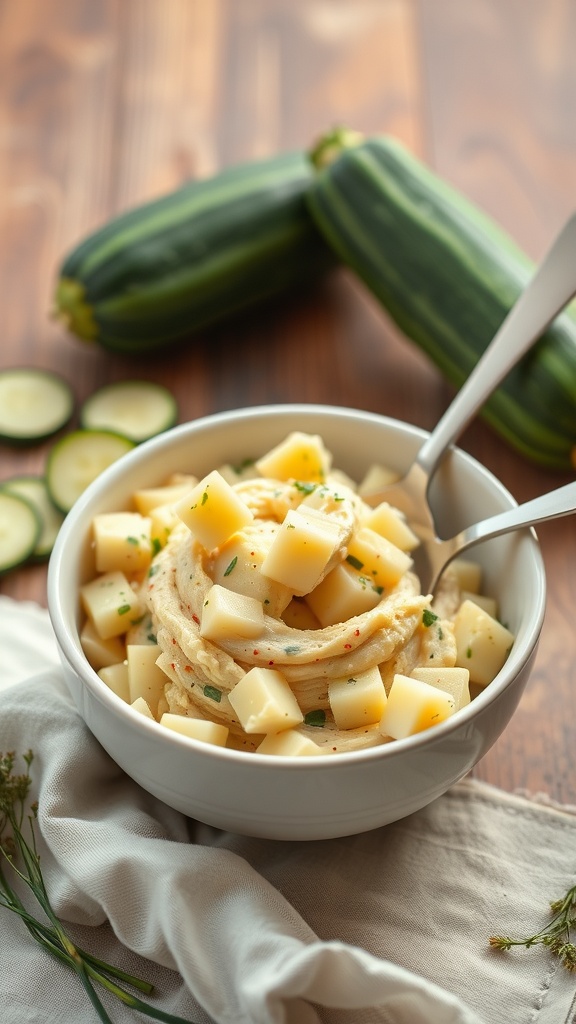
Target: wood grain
[{"x": 103, "y": 106}]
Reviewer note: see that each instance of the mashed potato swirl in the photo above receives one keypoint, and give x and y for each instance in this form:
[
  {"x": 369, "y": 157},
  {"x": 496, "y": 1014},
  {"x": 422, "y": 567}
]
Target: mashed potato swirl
[{"x": 392, "y": 635}]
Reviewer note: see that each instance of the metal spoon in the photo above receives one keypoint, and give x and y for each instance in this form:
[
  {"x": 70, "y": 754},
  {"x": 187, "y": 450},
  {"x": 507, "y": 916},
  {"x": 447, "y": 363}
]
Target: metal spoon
[
  {"x": 435, "y": 555},
  {"x": 549, "y": 290}
]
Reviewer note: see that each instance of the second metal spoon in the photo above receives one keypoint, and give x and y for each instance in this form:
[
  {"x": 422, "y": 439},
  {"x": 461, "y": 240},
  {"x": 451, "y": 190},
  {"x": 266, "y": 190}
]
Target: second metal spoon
[{"x": 435, "y": 556}]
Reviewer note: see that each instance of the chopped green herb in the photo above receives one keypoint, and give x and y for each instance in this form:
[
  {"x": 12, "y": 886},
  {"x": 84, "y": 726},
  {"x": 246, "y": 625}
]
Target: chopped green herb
[
  {"x": 440, "y": 633},
  {"x": 151, "y": 637},
  {"x": 292, "y": 649},
  {"x": 304, "y": 488},
  {"x": 133, "y": 540},
  {"x": 241, "y": 466},
  {"x": 123, "y": 609},
  {"x": 213, "y": 692},
  {"x": 468, "y": 652},
  {"x": 231, "y": 566},
  {"x": 378, "y": 589},
  {"x": 354, "y": 562},
  {"x": 428, "y": 617},
  {"x": 290, "y": 526},
  {"x": 153, "y": 570},
  {"x": 156, "y": 545},
  {"x": 136, "y": 622},
  {"x": 316, "y": 718},
  {"x": 204, "y": 498}
]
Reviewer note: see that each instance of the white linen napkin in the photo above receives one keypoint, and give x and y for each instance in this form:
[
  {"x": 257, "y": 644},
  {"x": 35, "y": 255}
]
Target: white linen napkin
[{"x": 389, "y": 927}]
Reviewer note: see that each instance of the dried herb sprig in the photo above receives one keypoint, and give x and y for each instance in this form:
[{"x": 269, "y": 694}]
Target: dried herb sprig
[
  {"x": 19, "y": 855},
  {"x": 557, "y": 935}
]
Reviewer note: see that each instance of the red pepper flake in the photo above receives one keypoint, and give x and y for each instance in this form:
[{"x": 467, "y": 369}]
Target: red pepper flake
[
  {"x": 196, "y": 620},
  {"x": 255, "y": 652},
  {"x": 174, "y": 640},
  {"x": 356, "y": 632},
  {"x": 187, "y": 668},
  {"x": 347, "y": 647},
  {"x": 270, "y": 662},
  {"x": 172, "y": 666}
]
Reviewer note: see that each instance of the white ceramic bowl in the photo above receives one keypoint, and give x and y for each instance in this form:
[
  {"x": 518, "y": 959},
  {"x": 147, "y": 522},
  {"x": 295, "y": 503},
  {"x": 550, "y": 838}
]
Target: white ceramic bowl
[{"x": 301, "y": 798}]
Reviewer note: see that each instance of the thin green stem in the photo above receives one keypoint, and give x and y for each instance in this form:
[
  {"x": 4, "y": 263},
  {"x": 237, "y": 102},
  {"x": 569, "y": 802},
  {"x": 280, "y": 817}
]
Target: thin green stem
[{"x": 51, "y": 935}]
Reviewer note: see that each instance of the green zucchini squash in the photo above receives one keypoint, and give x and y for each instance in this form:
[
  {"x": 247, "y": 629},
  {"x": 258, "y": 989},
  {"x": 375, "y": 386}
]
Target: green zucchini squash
[
  {"x": 160, "y": 272},
  {"x": 447, "y": 276}
]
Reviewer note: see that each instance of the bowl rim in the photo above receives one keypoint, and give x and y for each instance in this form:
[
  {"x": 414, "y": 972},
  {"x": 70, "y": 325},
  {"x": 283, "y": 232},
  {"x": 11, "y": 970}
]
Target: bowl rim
[{"x": 71, "y": 650}]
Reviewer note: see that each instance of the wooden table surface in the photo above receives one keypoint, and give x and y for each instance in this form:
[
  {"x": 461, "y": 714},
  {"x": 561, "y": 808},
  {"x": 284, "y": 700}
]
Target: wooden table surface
[{"x": 105, "y": 105}]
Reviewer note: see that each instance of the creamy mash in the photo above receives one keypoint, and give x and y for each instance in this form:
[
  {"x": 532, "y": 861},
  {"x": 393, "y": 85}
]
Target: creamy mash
[{"x": 274, "y": 610}]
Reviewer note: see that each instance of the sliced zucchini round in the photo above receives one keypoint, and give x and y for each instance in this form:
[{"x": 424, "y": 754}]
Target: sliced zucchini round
[
  {"x": 34, "y": 404},
  {"x": 77, "y": 459},
  {"x": 20, "y": 528},
  {"x": 35, "y": 491},
  {"x": 138, "y": 409}
]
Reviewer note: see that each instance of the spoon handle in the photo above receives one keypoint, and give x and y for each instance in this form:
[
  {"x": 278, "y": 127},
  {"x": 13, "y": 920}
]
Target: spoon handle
[
  {"x": 549, "y": 290},
  {"x": 560, "y": 502}
]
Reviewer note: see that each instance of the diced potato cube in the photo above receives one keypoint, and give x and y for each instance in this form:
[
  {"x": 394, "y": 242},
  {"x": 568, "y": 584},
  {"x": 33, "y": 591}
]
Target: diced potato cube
[
  {"x": 468, "y": 574},
  {"x": 111, "y": 604},
  {"x": 226, "y": 613},
  {"x": 289, "y": 743},
  {"x": 299, "y": 615},
  {"x": 264, "y": 702},
  {"x": 143, "y": 707},
  {"x": 213, "y": 511},
  {"x": 337, "y": 477},
  {"x": 175, "y": 479},
  {"x": 343, "y": 593},
  {"x": 389, "y": 523},
  {"x": 238, "y": 564},
  {"x": 116, "y": 677},
  {"x": 301, "y": 550},
  {"x": 377, "y": 478},
  {"x": 122, "y": 542},
  {"x": 453, "y": 680},
  {"x": 489, "y": 604},
  {"x": 152, "y": 497},
  {"x": 196, "y": 728},
  {"x": 100, "y": 652},
  {"x": 235, "y": 474},
  {"x": 299, "y": 457},
  {"x": 357, "y": 700},
  {"x": 482, "y": 643},
  {"x": 376, "y": 558},
  {"x": 142, "y": 632},
  {"x": 163, "y": 519},
  {"x": 413, "y": 706},
  {"x": 145, "y": 678}
]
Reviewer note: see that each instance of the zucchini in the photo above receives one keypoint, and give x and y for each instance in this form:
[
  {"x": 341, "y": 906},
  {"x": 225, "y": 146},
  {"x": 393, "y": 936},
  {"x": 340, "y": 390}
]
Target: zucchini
[
  {"x": 157, "y": 273},
  {"x": 138, "y": 409},
  {"x": 77, "y": 459},
  {"x": 34, "y": 404},
  {"x": 34, "y": 490},
  {"x": 447, "y": 276},
  {"x": 20, "y": 528}
]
